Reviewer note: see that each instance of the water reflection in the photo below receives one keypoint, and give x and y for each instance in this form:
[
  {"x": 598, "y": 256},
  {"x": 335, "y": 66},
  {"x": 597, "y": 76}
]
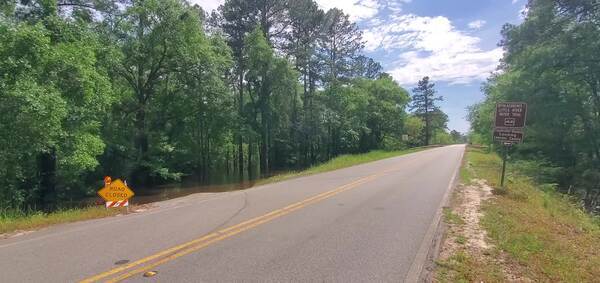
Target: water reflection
[
  {"x": 189, "y": 186},
  {"x": 167, "y": 192}
]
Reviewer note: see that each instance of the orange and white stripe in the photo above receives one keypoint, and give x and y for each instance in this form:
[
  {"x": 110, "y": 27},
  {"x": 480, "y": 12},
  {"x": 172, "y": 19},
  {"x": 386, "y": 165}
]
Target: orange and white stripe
[{"x": 121, "y": 203}]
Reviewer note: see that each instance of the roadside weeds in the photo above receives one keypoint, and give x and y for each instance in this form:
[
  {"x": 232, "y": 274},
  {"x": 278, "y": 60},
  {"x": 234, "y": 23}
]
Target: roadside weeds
[
  {"x": 524, "y": 233},
  {"x": 466, "y": 255},
  {"x": 15, "y": 225}
]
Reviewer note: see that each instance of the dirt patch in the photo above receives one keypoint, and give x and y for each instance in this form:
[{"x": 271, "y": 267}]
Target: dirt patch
[
  {"x": 467, "y": 232},
  {"x": 469, "y": 210},
  {"x": 466, "y": 248}
]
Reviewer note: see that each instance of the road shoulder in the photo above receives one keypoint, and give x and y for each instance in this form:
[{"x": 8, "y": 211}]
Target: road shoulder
[
  {"x": 424, "y": 264},
  {"x": 525, "y": 232}
]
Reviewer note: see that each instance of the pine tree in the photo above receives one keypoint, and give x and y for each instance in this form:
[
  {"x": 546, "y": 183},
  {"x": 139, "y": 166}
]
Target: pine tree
[{"x": 423, "y": 104}]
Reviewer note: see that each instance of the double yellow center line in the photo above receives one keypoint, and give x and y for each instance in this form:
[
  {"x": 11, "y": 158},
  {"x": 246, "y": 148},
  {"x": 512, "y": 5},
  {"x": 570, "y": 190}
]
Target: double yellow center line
[{"x": 147, "y": 263}]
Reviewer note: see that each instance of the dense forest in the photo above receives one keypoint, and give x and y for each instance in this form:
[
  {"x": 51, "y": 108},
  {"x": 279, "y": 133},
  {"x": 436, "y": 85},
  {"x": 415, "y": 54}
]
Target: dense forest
[
  {"x": 158, "y": 91},
  {"x": 552, "y": 62}
]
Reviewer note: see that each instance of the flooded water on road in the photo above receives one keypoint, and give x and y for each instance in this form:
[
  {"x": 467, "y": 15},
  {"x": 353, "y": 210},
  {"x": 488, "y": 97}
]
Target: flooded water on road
[
  {"x": 187, "y": 187},
  {"x": 167, "y": 192}
]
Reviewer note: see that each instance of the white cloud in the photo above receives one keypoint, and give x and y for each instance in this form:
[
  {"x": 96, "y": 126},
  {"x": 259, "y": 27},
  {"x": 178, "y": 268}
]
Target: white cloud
[
  {"x": 357, "y": 9},
  {"x": 523, "y": 12},
  {"x": 456, "y": 69},
  {"x": 363, "y": 9},
  {"x": 430, "y": 46},
  {"x": 419, "y": 46},
  {"x": 477, "y": 24},
  {"x": 208, "y": 5},
  {"x": 515, "y": 1}
]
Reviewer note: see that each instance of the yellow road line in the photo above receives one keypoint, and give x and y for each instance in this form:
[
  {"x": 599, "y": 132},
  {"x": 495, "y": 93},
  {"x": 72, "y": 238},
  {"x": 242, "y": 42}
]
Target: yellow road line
[{"x": 204, "y": 241}]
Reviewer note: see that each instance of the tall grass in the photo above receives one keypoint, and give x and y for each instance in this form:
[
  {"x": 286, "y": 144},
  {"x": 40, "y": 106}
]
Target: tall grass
[
  {"x": 14, "y": 220},
  {"x": 545, "y": 232}
]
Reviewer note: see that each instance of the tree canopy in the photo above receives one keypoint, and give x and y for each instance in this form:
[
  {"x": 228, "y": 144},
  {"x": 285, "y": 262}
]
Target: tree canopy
[
  {"x": 551, "y": 61},
  {"x": 159, "y": 91}
]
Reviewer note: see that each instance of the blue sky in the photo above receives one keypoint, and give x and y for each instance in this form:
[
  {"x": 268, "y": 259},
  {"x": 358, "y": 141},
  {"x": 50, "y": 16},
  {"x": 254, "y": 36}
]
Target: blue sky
[{"x": 454, "y": 42}]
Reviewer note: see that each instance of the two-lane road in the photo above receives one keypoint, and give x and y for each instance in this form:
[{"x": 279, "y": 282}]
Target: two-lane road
[{"x": 372, "y": 222}]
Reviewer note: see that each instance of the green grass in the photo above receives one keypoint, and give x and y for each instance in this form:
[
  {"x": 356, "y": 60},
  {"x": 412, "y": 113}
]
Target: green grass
[
  {"x": 462, "y": 267},
  {"x": 451, "y": 217},
  {"x": 465, "y": 175},
  {"x": 542, "y": 231},
  {"x": 340, "y": 162},
  {"x": 460, "y": 239},
  {"x": 11, "y": 221}
]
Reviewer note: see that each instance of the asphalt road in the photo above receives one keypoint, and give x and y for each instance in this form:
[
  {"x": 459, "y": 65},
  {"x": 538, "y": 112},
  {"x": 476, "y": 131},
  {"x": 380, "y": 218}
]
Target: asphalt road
[{"x": 367, "y": 223}]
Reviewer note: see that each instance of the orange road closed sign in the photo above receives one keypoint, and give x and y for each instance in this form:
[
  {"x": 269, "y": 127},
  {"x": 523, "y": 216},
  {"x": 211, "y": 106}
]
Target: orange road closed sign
[{"x": 116, "y": 191}]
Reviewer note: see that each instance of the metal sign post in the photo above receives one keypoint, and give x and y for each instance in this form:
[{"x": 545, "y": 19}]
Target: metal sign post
[
  {"x": 504, "y": 157},
  {"x": 509, "y": 123}
]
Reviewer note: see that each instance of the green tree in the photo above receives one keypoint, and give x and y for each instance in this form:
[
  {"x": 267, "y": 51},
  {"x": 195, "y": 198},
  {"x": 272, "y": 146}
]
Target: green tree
[
  {"x": 53, "y": 97},
  {"x": 457, "y": 137},
  {"x": 423, "y": 104},
  {"x": 268, "y": 76},
  {"x": 385, "y": 112},
  {"x": 305, "y": 21},
  {"x": 237, "y": 19},
  {"x": 154, "y": 38},
  {"x": 146, "y": 90},
  {"x": 340, "y": 42},
  {"x": 366, "y": 67},
  {"x": 414, "y": 128},
  {"x": 551, "y": 62}
]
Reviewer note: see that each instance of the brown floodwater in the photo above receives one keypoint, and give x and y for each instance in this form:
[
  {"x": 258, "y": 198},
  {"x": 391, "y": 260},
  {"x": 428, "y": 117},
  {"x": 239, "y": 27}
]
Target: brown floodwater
[
  {"x": 171, "y": 191},
  {"x": 167, "y": 192}
]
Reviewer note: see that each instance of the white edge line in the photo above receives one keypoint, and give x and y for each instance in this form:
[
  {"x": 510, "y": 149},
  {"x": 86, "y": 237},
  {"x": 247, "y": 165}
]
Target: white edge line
[{"x": 416, "y": 268}]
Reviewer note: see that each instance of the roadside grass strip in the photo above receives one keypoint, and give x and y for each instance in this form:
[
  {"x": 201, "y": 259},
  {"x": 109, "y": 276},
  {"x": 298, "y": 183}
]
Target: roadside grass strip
[
  {"x": 537, "y": 233},
  {"x": 340, "y": 162},
  {"x": 13, "y": 221}
]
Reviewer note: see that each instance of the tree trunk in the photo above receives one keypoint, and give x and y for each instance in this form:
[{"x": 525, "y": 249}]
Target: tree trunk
[
  {"x": 199, "y": 152},
  {"x": 227, "y": 168},
  {"x": 206, "y": 156},
  {"x": 306, "y": 128},
  {"x": 240, "y": 138},
  {"x": 294, "y": 137},
  {"x": 427, "y": 121},
  {"x": 47, "y": 167},
  {"x": 250, "y": 153},
  {"x": 312, "y": 144},
  {"x": 142, "y": 173},
  {"x": 264, "y": 152}
]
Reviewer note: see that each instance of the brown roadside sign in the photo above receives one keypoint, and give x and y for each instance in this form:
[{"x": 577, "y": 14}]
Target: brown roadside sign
[
  {"x": 116, "y": 191},
  {"x": 510, "y": 115},
  {"x": 507, "y": 136}
]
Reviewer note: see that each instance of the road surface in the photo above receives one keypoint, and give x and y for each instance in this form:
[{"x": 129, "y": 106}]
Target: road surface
[{"x": 368, "y": 223}]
